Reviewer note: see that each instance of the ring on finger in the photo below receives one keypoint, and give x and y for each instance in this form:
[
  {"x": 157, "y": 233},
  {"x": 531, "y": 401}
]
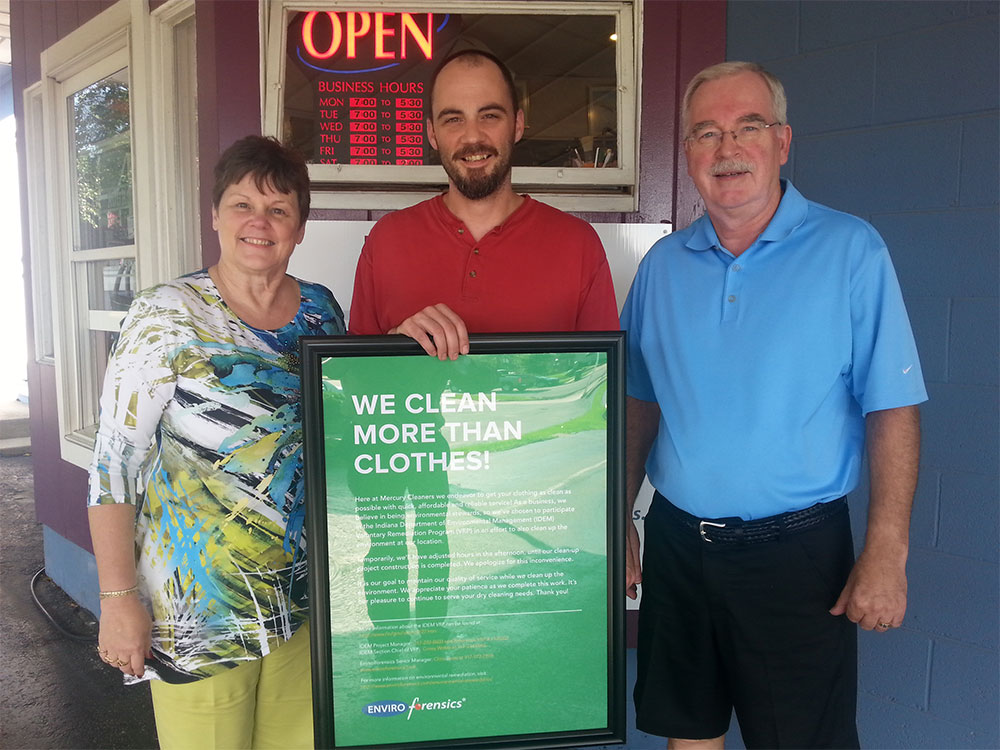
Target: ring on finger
[
  {"x": 883, "y": 626},
  {"x": 121, "y": 662}
]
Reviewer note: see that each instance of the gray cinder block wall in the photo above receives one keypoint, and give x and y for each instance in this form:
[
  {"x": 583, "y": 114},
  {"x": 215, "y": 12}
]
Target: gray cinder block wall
[{"x": 894, "y": 111}]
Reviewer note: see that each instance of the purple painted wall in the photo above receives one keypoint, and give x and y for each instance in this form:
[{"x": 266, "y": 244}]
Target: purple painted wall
[{"x": 228, "y": 92}]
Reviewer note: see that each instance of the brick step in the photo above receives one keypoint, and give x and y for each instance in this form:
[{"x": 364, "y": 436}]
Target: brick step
[
  {"x": 17, "y": 446},
  {"x": 14, "y": 420},
  {"x": 14, "y": 427}
]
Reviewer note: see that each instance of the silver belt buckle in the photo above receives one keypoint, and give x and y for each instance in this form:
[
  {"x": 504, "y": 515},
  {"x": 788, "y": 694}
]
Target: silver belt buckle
[{"x": 703, "y": 524}]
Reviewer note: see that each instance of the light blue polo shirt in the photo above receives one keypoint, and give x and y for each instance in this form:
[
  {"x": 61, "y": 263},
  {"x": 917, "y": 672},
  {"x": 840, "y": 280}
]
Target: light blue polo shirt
[{"x": 764, "y": 365}]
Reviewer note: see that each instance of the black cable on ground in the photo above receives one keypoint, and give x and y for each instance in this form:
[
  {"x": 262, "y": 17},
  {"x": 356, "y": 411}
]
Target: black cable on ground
[{"x": 48, "y": 616}]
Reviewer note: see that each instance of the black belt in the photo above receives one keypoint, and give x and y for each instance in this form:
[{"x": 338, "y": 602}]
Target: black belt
[{"x": 738, "y": 531}]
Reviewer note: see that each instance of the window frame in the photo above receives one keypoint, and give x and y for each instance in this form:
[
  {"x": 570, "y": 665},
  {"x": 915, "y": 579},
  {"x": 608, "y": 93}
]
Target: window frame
[
  {"x": 345, "y": 186},
  {"x": 38, "y": 227},
  {"x": 165, "y": 244}
]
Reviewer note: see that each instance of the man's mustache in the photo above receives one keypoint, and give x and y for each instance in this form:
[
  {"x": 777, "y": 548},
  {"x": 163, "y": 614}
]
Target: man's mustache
[{"x": 729, "y": 166}]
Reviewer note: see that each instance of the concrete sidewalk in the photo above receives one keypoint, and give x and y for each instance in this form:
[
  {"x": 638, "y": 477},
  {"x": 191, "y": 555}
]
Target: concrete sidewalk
[{"x": 54, "y": 692}]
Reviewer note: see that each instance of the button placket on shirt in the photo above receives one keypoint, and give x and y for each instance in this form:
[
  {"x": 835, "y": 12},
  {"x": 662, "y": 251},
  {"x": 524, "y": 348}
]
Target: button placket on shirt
[
  {"x": 473, "y": 266},
  {"x": 732, "y": 292}
]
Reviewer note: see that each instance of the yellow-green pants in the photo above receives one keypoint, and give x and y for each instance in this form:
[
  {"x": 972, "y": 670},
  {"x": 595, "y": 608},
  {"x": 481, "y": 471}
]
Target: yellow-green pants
[{"x": 263, "y": 704}]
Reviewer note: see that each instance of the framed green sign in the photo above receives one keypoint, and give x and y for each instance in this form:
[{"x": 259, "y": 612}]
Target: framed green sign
[{"x": 464, "y": 525}]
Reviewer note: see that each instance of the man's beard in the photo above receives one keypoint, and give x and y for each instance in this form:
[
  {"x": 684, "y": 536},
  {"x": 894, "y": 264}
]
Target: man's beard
[{"x": 479, "y": 183}]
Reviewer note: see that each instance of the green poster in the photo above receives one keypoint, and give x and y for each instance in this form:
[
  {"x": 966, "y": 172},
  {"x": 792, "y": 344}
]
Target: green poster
[{"x": 466, "y": 507}]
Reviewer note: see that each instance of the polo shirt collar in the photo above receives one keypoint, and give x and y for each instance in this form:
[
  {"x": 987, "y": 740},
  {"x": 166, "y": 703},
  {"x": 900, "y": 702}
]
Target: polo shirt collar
[{"x": 790, "y": 215}]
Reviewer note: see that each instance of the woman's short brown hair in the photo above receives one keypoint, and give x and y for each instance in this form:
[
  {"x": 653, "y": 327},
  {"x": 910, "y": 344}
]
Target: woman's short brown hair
[{"x": 272, "y": 165}]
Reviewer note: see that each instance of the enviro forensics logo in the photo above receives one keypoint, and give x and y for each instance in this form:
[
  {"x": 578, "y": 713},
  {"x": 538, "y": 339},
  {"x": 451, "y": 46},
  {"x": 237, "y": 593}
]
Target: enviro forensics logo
[{"x": 395, "y": 708}]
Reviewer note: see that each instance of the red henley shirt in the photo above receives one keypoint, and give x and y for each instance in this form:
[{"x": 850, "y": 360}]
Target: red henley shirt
[{"x": 541, "y": 270}]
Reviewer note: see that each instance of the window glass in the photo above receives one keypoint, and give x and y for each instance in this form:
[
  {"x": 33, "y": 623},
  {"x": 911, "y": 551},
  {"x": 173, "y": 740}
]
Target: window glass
[
  {"x": 356, "y": 83},
  {"x": 111, "y": 284},
  {"x": 101, "y": 159},
  {"x": 102, "y": 342}
]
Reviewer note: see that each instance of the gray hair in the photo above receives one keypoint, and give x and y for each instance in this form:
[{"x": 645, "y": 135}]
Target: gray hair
[{"x": 779, "y": 103}]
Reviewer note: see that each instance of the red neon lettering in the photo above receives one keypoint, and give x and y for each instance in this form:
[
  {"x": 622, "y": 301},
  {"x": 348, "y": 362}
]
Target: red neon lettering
[
  {"x": 359, "y": 24},
  {"x": 354, "y": 31},
  {"x": 380, "y": 34},
  {"x": 307, "y": 35},
  {"x": 423, "y": 40}
]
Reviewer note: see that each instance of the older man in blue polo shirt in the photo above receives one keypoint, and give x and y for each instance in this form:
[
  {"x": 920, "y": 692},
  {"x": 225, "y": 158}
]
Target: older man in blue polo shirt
[{"x": 768, "y": 347}]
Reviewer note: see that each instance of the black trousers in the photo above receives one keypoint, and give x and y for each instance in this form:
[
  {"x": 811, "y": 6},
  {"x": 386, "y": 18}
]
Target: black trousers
[{"x": 747, "y": 626}]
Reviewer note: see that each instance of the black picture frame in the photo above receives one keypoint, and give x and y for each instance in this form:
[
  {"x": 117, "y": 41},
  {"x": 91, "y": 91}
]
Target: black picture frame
[{"x": 316, "y": 350}]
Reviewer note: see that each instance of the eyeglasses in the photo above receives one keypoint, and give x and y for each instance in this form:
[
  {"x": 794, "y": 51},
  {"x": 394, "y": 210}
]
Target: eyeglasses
[{"x": 744, "y": 135}]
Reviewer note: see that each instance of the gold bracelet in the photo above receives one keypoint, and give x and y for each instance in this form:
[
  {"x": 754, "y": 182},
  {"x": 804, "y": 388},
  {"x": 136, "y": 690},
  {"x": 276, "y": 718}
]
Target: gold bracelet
[{"x": 116, "y": 594}]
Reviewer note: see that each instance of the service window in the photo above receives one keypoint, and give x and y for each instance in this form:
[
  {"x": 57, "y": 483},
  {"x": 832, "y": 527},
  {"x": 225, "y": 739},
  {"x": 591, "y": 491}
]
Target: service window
[{"x": 349, "y": 87}]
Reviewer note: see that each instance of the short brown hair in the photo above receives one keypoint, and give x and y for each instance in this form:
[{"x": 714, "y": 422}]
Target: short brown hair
[
  {"x": 779, "y": 102},
  {"x": 475, "y": 58},
  {"x": 272, "y": 165}
]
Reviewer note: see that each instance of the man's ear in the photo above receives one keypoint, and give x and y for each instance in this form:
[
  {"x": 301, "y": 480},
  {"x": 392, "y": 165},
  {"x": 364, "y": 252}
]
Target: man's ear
[
  {"x": 785, "y": 142},
  {"x": 518, "y": 125}
]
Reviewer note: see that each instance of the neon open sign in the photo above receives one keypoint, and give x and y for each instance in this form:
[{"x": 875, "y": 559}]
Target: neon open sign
[{"x": 388, "y": 36}]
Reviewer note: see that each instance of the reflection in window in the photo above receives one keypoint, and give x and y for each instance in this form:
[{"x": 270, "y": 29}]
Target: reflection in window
[
  {"x": 101, "y": 344},
  {"x": 357, "y": 83},
  {"x": 101, "y": 151},
  {"x": 111, "y": 284}
]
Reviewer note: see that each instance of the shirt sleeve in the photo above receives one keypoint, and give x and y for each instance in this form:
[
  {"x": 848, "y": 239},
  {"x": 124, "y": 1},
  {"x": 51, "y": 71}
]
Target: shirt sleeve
[
  {"x": 323, "y": 312},
  {"x": 638, "y": 384},
  {"x": 598, "y": 310},
  {"x": 885, "y": 369},
  {"x": 363, "y": 319},
  {"x": 138, "y": 384}
]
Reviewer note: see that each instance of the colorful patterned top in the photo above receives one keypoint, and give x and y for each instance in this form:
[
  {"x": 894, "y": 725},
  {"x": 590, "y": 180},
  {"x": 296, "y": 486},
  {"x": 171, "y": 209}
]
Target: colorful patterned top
[{"x": 200, "y": 428}]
